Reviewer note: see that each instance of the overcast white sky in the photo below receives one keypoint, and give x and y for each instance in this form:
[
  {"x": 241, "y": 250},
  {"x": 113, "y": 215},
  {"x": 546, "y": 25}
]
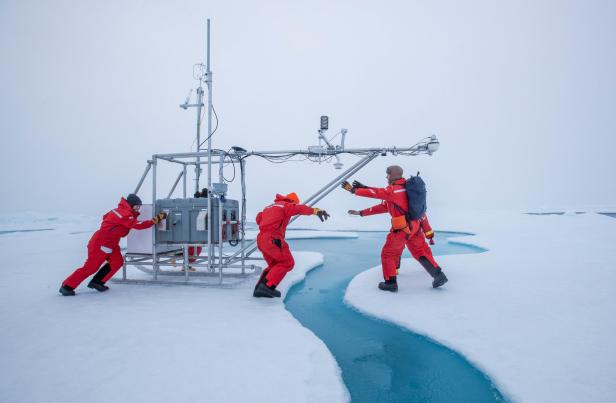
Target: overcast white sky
[{"x": 522, "y": 95}]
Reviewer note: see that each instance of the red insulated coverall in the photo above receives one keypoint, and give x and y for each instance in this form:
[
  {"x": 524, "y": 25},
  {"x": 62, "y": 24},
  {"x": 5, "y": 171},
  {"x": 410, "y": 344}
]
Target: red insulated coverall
[
  {"x": 392, "y": 195},
  {"x": 105, "y": 243},
  {"x": 272, "y": 222}
]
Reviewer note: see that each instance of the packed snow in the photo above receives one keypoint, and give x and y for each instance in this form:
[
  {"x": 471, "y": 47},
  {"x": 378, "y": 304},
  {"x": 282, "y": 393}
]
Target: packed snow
[
  {"x": 147, "y": 343},
  {"x": 536, "y": 312}
]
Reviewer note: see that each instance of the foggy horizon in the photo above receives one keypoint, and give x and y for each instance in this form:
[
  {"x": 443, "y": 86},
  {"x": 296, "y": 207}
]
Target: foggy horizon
[{"x": 521, "y": 97}]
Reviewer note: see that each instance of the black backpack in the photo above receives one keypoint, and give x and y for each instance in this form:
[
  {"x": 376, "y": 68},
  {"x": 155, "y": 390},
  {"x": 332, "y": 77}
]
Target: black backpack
[{"x": 416, "y": 194}]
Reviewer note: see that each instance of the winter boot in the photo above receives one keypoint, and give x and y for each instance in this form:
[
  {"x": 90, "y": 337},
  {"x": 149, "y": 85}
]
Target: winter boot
[
  {"x": 67, "y": 291},
  {"x": 100, "y": 287},
  {"x": 435, "y": 272},
  {"x": 263, "y": 290},
  {"x": 102, "y": 272},
  {"x": 97, "y": 281},
  {"x": 190, "y": 268},
  {"x": 389, "y": 285},
  {"x": 440, "y": 279},
  {"x": 261, "y": 278}
]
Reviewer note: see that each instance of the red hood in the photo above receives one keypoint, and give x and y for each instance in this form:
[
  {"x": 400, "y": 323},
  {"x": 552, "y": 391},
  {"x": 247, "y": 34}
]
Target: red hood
[
  {"x": 280, "y": 197},
  {"x": 400, "y": 181},
  {"x": 125, "y": 209}
]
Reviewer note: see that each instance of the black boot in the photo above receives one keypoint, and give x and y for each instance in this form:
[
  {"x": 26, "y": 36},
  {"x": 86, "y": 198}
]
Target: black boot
[
  {"x": 261, "y": 278},
  {"x": 440, "y": 279},
  {"x": 263, "y": 290},
  {"x": 435, "y": 272},
  {"x": 102, "y": 273},
  {"x": 101, "y": 287},
  {"x": 67, "y": 291},
  {"x": 389, "y": 285},
  {"x": 97, "y": 281}
]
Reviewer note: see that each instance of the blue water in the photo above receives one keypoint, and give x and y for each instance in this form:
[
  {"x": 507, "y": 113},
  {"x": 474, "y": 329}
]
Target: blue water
[{"x": 380, "y": 361}]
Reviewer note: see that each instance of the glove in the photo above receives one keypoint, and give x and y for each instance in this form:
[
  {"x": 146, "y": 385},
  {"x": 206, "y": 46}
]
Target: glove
[
  {"x": 322, "y": 214},
  {"x": 347, "y": 186},
  {"x": 159, "y": 217},
  {"x": 354, "y": 212},
  {"x": 359, "y": 185}
]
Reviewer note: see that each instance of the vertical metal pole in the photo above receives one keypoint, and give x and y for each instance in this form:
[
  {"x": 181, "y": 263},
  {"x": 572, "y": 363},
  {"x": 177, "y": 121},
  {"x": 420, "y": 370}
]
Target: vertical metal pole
[
  {"x": 209, "y": 153},
  {"x": 243, "y": 216},
  {"x": 124, "y": 269},
  {"x": 154, "y": 256},
  {"x": 220, "y": 217},
  {"x": 186, "y": 261},
  {"x": 199, "y": 108},
  {"x": 184, "y": 181}
]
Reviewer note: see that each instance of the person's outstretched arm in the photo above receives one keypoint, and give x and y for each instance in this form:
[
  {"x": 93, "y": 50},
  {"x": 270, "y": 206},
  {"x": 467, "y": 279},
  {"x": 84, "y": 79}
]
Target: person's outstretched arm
[
  {"x": 378, "y": 209},
  {"x": 133, "y": 223},
  {"x": 298, "y": 209},
  {"x": 386, "y": 194},
  {"x": 302, "y": 209}
]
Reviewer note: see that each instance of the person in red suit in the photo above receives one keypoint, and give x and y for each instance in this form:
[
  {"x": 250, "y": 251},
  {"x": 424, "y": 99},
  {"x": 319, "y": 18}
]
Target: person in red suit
[
  {"x": 272, "y": 222},
  {"x": 402, "y": 233},
  {"x": 104, "y": 246}
]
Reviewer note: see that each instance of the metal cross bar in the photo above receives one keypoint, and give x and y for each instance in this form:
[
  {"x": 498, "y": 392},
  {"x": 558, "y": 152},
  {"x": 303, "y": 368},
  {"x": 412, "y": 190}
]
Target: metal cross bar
[
  {"x": 421, "y": 147},
  {"x": 145, "y": 173},
  {"x": 177, "y": 180}
]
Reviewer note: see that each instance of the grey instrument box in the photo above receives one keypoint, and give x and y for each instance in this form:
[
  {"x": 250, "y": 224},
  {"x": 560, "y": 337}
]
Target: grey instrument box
[{"x": 187, "y": 221}]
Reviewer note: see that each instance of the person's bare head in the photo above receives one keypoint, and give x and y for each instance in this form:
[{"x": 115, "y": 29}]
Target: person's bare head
[{"x": 394, "y": 172}]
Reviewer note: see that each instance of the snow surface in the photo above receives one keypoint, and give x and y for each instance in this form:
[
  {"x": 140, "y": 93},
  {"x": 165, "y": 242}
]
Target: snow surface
[
  {"x": 537, "y": 311},
  {"x": 147, "y": 343}
]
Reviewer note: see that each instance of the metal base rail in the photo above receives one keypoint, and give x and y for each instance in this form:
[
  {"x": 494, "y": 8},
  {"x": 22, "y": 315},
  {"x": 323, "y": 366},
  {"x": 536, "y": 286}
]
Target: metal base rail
[
  {"x": 200, "y": 284},
  {"x": 157, "y": 268}
]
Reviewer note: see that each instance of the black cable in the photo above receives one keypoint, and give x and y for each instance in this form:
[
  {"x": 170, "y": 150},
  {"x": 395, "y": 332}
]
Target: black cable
[
  {"x": 232, "y": 163},
  {"x": 215, "y": 128}
]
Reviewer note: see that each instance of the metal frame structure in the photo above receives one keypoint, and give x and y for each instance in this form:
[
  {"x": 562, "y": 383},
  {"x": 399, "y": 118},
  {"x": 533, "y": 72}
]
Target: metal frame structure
[
  {"x": 169, "y": 259},
  {"x": 235, "y": 263}
]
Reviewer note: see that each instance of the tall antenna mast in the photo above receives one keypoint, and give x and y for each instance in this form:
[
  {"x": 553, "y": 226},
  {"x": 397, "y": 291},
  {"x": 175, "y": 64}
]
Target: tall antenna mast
[
  {"x": 209, "y": 154},
  {"x": 208, "y": 74},
  {"x": 202, "y": 73}
]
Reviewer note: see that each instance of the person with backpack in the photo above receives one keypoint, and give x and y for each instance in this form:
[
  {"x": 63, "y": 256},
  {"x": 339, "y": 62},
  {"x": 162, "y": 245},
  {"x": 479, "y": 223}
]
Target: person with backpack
[
  {"x": 272, "y": 222},
  {"x": 405, "y": 202}
]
